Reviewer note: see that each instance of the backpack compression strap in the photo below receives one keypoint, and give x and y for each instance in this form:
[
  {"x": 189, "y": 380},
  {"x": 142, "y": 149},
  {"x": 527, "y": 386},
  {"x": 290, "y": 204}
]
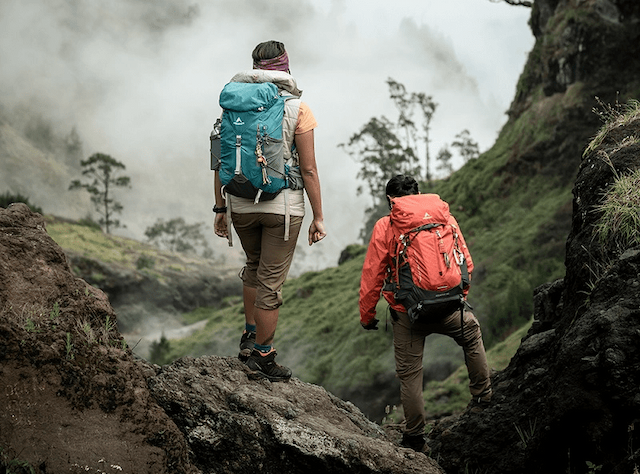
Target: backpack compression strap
[{"x": 404, "y": 240}]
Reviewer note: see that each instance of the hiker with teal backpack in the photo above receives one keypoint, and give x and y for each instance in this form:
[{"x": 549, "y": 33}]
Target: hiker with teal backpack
[
  {"x": 418, "y": 259},
  {"x": 262, "y": 152}
]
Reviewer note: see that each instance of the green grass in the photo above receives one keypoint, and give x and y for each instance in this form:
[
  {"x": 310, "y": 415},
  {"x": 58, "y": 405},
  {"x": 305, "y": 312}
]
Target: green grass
[
  {"x": 619, "y": 224},
  {"x": 613, "y": 117},
  {"x": 91, "y": 242}
]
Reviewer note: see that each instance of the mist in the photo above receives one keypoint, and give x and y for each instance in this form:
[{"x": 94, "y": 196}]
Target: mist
[{"x": 140, "y": 81}]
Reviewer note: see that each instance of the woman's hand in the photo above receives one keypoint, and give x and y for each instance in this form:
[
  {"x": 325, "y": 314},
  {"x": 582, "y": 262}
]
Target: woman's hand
[
  {"x": 316, "y": 231},
  {"x": 220, "y": 225}
]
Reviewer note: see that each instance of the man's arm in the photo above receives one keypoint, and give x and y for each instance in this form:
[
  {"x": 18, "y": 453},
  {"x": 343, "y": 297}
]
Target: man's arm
[{"x": 374, "y": 271}]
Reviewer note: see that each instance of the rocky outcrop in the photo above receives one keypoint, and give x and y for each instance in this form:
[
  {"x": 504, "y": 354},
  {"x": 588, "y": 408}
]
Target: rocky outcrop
[
  {"x": 584, "y": 49},
  {"x": 234, "y": 424},
  {"x": 75, "y": 399},
  {"x": 570, "y": 395}
]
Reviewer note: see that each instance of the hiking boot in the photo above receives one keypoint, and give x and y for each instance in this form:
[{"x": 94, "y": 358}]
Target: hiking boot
[
  {"x": 246, "y": 345},
  {"x": 478, "y": 404},
  {"x": 415, "y": 442},
  {"x": 265, "y": 366}
]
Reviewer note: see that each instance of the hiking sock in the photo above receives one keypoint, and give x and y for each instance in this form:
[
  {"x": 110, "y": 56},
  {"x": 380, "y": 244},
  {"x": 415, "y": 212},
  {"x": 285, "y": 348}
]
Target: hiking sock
[
  {"x": 249, "y": 327},
  {"x": 264, "y": 350}
]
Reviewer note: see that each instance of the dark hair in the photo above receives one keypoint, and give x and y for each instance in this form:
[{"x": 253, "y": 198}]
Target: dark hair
[
  {"x": 401, "y": 185},
  {"x": 268, "y": 50}
]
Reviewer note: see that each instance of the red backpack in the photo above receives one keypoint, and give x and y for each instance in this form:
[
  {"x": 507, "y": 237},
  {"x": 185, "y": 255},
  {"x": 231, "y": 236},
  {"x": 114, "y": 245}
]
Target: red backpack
[{"x": 430, "y": 274}]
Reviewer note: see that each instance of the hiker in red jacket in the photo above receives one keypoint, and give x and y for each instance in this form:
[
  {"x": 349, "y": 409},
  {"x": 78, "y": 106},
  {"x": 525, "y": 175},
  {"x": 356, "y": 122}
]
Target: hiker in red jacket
[{"x": 380, "y": 270}]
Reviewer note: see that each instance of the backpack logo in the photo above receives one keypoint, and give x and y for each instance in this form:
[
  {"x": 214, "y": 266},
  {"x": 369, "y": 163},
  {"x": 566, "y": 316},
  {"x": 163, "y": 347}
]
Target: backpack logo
[
  {"x": 238, "y": 121},
  {"x": 427, "y": 216}
]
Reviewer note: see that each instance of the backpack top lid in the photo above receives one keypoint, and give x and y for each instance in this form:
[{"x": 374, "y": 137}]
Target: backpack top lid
[
  {"x": 284, "y": 82},
  {"x": 247, "y": 97},
  {"x": 409, "y": 212}
]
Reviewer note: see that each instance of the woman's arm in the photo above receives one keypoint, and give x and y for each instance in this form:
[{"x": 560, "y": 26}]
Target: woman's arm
[
  {"x": 220, "y": 222},
  {"x": 309, "y": 170}
]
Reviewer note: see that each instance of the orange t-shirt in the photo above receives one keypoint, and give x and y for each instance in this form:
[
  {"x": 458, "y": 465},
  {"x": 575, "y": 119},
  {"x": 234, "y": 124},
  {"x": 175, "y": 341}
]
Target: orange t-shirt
[{"x": 306, "y": 120}]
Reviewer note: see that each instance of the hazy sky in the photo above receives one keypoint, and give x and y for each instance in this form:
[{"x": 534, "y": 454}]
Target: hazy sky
[{"x": 140, "y": 80}]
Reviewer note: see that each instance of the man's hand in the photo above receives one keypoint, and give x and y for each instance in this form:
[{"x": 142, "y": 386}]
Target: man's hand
[{"x": 373, "y": 324}]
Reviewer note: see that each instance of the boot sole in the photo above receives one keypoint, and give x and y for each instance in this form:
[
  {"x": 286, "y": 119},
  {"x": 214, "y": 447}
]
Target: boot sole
[{"x": 256, "y": 375}]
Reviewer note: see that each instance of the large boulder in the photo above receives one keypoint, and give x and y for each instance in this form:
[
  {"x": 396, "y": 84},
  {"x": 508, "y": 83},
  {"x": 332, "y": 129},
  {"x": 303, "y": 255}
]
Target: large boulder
[{"x": 235, "y": 424}]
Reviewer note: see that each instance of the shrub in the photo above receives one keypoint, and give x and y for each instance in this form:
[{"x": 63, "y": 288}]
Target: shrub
[{"x": 9, "y": 198}]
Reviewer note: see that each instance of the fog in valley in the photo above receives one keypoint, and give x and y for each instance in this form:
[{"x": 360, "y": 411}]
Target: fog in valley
[{"x": 140, "y": 81}]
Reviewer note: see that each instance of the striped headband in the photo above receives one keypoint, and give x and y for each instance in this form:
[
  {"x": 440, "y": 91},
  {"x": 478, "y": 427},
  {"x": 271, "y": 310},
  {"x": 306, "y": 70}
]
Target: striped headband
[{"x": 279, "y": 63}]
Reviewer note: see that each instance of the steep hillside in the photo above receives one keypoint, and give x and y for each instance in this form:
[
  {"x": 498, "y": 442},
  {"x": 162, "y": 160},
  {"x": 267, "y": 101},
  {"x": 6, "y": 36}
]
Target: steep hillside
[{"x": 514, "y": 202}]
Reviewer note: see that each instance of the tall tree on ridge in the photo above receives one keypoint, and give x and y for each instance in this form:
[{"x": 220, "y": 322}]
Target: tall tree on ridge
[{"x": 103, "y": 172}]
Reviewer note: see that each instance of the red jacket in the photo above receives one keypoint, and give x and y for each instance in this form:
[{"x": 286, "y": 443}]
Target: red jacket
[{"x": 378, "y": 264}]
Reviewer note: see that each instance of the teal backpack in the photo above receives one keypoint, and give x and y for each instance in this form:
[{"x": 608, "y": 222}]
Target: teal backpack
[{"x": 247, "y": 147}]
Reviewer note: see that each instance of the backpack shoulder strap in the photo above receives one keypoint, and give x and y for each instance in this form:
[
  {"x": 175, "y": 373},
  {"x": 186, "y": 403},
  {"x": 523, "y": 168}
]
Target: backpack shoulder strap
[{"x": 289, "y": 124}]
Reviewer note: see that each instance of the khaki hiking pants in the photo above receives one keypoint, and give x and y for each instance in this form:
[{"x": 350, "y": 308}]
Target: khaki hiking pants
[
  {"x": 269, "y": 256},
  {"x": 408, "y": 342}
]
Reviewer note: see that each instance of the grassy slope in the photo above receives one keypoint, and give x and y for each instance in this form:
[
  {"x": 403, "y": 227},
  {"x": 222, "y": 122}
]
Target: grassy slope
[
  {"x": 509, "y": 220},
  {"x": 90, "y": 242}
]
